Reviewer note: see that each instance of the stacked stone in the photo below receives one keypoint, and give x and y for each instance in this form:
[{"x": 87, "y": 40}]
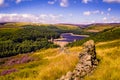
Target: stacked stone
[{"x": 87, "y": 63}]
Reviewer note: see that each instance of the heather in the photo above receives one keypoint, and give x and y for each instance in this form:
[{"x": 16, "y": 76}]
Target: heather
[{"x": 51, "y": 63}]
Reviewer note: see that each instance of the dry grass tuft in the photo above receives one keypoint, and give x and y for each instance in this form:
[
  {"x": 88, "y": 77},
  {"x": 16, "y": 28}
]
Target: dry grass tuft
[{"x": 109, "y": 68}]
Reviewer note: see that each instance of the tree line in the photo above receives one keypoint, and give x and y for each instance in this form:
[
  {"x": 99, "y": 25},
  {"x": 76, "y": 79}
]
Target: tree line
[{"x": 15, "y": 41}]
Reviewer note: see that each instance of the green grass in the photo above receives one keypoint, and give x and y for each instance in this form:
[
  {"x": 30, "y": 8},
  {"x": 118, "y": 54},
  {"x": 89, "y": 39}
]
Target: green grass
[
  {"x": 108, "y": 68},
  {"x": 106, "y": 35},
  {"x": 49, "y": 64},
  {"x": 100, "y": 27}
]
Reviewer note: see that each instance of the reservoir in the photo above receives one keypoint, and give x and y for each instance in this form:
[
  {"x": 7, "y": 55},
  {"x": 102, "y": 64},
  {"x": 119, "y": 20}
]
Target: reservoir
[{"x": 70, "y": 37}]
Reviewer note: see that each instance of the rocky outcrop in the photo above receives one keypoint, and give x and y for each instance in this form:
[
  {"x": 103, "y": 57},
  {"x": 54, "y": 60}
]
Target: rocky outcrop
[{"x": 87, "y": 63}]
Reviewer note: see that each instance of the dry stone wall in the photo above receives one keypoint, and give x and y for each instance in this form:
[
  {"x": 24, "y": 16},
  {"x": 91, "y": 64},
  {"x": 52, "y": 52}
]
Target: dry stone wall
[{"x": 87, "y": 63}]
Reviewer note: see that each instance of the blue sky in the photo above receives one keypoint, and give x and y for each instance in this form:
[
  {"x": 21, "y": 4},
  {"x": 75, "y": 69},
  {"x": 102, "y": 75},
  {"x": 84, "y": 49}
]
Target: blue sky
[{"x": 60, "y": 11}]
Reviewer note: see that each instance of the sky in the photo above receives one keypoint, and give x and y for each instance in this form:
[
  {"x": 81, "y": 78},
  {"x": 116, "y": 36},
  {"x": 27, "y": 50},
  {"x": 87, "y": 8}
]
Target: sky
[{"x": 60, "y": 11}]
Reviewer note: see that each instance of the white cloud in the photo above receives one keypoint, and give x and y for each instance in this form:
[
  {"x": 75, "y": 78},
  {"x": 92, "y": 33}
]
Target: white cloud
[
  {"x": 52, "y": 2},
  {"x": 46, "y": 18},
  {"x": 87, "y": 13},
  {"x": 111, "y": 19},
  {"x": 1, "y": 2},
  {"x": 96, "y": 12},
  {"x": 71, "y": 14},
  {"x": 102, "y": 12},
  {"x": 52, "y": 16},
  {"x": 16, "y": 17},
  {"x": 86, "y": 1},
  {"x": 4, "y": 4},
  {"x": 64, "y": 3},
  {"x": 108, "y": 14},
  {"x": 43, "y": 16},
  {"x": 104, "y": 18},
  {"x": 93, "y": 21},
  {"x": 18, "y": 1},
  {"x": 60, "y": 15},
  {"x": 112, "y": 1},
  {"x": 115, "y": 18},
  {"x": 109, "y": 9}
]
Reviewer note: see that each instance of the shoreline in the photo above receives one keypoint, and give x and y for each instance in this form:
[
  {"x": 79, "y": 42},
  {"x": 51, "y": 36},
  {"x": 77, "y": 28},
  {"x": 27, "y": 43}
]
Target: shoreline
[
  {"x": 64, "y": 41},
  {"x": 76, "y": 35}
]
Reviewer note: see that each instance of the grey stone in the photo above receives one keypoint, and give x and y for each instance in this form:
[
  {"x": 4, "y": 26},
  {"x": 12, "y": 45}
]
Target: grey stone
[
  {"x": 87, "y": 63},
  {"x": 69, "y": 75}
]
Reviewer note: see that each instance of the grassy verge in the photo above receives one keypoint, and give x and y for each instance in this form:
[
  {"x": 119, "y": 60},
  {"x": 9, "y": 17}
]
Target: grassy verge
[
  {"x": 109, "y": 68},
  {"x": 49, "y": 64},
  {"x": 106, "y": 35}
]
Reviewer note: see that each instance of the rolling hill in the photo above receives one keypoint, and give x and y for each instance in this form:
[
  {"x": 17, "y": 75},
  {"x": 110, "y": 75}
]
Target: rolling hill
[{"x": 51, "y": 63}]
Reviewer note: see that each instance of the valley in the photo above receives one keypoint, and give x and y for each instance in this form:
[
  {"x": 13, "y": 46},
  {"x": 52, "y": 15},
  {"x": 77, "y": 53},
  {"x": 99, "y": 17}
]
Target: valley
[
  {"x": 39, "y": 59},
  {"x": 59, "y": 39}
]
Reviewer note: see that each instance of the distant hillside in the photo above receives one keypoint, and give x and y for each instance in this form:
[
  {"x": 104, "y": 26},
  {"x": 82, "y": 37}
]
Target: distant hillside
[
  {"x": 22, "y": 37},
  {"x": 100, "y": 27},
  {"x": 92, "y": 26},
  {"x": 52, "y": 63},
  {"x": 18, "y": 38},
  {"x": 111, "y": 33},
  {"x": 82, "y": 26}
]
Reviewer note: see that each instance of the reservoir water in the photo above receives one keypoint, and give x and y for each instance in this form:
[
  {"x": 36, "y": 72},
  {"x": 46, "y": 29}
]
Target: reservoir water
[{"x": 70, "y": 37}]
